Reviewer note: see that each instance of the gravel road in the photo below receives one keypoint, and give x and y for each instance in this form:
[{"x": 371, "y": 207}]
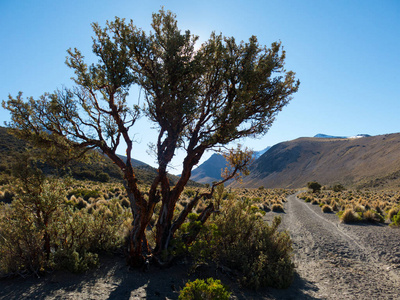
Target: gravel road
[{"x": 340, "y": 261}]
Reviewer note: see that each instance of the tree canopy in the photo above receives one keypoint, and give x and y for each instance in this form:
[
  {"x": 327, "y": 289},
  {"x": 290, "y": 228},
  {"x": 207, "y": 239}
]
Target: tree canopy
[{"x": 198, "y": 98}]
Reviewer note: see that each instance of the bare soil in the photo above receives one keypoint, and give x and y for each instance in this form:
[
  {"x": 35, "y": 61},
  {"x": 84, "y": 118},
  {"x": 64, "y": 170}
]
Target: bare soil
[{"x": 333, "y": 261}]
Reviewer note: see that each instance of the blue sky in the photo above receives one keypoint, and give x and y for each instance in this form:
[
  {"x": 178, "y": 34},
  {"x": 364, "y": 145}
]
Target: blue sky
[{"x": 345, "y": 53}]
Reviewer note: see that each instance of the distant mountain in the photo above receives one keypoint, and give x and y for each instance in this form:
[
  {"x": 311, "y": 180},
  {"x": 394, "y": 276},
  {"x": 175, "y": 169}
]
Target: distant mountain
[
  {"x": 371, "y": 161},
  {"x": 210, "y": 170}
]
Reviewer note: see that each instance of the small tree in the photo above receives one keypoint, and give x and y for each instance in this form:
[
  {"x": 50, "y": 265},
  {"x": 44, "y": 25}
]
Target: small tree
[
  {"x": 198, "y": 99},
  {"x": 338, "y": 187},
  {"x": 314, "y": 186}
]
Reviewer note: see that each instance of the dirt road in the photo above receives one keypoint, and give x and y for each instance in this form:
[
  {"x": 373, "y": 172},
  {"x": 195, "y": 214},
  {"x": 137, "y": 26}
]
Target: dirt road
[{"x": 339, "y": 261}]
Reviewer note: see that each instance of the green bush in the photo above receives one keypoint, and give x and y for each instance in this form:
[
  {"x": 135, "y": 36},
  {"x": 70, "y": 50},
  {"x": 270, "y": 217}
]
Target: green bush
[
  {"x": 240, "y": 240},
  {"x": 314, "y": 186},
  {"x": 103, "y": 177},
  {"x": 396, "y": 220},
  {"x": 40, "y": 230},
  {"x": 392, "y": 212},
  {"x": 84, "y": 193},
  {"x": 201, "y": 290},
  {"x": 26, "y": 229}
]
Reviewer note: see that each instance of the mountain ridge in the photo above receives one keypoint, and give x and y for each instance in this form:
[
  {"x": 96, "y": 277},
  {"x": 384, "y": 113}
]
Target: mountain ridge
[{"x": 350, "y": 161}]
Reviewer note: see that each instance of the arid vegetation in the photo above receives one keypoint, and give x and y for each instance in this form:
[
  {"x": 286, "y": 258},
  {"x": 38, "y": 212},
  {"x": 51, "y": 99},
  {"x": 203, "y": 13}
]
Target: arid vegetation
[
  {"x": 48, "y": 223},
  {"x": 358, "y": 206}
]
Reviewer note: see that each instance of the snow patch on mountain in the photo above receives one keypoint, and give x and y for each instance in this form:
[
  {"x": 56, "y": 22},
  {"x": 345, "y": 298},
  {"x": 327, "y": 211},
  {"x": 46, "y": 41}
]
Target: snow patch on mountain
[
  {"x": 257, "y": 154},
  {"x": 326, "y": 136}
]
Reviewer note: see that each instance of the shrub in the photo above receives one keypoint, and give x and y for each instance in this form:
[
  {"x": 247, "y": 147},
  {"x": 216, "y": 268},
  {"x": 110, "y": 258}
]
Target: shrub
[
  {"x": 7, "y": 196},
  {"x": 201, "y": 290},
  {"x": 84, "y": 193},
  {"x": 349, "y": 216},
  {"x": 26, "y": 229},
  {"x": 372, "y": 216},
  {"x": 314, "y": 186},
  {"x": 41, "y": 230},
  {"x": 392, "y": 212},
  {"x": 396, "y": 220},
  {"x": 240, "y": 240},
  {"x": 277, "y": 207},
  {"x": 338, "y": 187},
  {"x": 189, "y": 193},
  {"x": 125, "y": 203},
  {"x": 326, "y": 209},
  {"x": 103, "y": 177}
]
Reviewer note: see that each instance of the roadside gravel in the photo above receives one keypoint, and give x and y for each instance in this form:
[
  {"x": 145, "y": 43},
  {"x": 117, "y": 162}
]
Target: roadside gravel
[{"x": 340, "y": 261}]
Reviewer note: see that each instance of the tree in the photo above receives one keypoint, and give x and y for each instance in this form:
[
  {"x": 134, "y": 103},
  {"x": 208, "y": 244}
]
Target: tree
[
  {"x": 314, "y": 186},
  {"x": 199, "y": 100}
]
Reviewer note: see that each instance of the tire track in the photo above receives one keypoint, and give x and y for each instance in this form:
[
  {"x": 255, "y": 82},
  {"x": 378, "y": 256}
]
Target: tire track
[{"x": 336, "y": 259}]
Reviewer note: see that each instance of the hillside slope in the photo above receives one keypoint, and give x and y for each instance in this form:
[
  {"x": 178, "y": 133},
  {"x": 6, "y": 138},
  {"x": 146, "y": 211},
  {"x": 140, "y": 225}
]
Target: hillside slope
[
  {"x": 362, "y": 162},
  {"x": 11, "y": 147},
  {"x": 210, "y": 170}
]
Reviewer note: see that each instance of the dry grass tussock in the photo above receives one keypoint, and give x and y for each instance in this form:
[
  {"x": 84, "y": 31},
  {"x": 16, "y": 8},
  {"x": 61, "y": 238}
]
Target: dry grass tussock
[
  {"x": 87, "y": 218},
  {"x": 358, "y": 206}
]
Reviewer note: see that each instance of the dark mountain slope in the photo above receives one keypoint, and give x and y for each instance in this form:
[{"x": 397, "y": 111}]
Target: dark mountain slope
[
  {"x": 352, "y": 162},
  {"x": 210, "y": 170},
  {"x": 11, "y": 147}
]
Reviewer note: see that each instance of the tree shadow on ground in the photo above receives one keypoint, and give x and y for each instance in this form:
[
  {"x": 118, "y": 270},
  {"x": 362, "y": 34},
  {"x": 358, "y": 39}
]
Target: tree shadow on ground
[
  {"x": 114, "y": 280},
  {"x": 300, "y": 289}
]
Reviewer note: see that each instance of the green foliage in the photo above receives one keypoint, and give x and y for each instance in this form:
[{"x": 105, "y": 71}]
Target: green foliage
[
  {"x": 26, "y": 226},
  {"x": 189, "y": 193},
  {"x": 392, "y": 212},
  {"x": 39, "y": 230},
  {"x": 74, "y": 261},
  {"x": 396, "y": 220},
  {"x": 314, "y": 186},
  {"x": 239, "y": 239},
  {"x": 204, "y": 290},
  {"x": 84, "y": 193},
  {"x": 199, "y": 98}
]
